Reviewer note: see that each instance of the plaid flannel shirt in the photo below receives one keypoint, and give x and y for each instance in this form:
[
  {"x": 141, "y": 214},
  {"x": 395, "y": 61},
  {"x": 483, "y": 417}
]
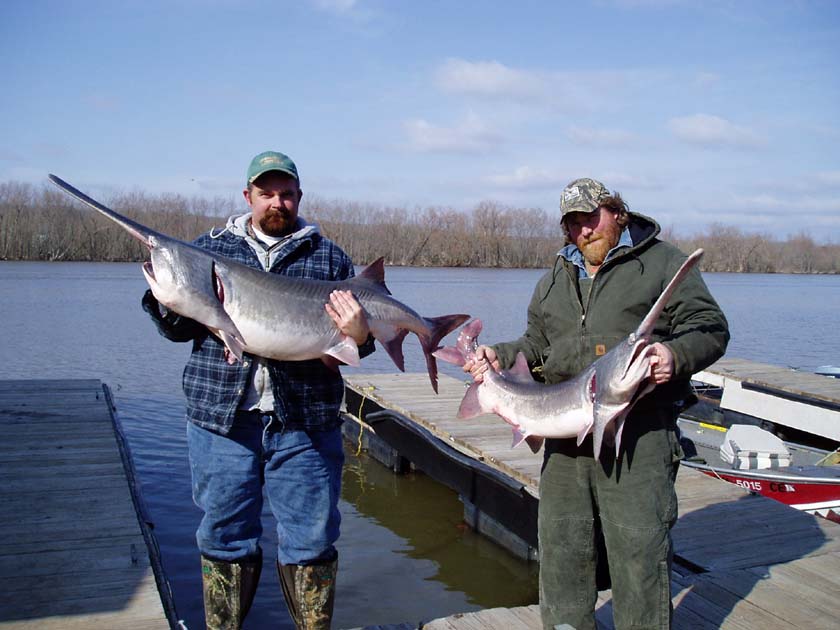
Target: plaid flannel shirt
[{"x": 307, "y": 394}]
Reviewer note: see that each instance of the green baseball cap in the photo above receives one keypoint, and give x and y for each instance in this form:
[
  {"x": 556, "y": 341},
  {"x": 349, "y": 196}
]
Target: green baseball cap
[
  {"x": 582, "y": 195},
  {"x": 271, "y": 161}
]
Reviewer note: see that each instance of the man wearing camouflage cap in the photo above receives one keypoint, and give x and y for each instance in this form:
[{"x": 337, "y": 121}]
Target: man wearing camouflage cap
[
  {"x": 262, "y": 425},
  {"x": 603, "y": 282}
]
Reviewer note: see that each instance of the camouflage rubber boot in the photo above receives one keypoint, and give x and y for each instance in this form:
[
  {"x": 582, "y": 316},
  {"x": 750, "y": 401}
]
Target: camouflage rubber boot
[
  {"x": 229, "y": 589},
  {"x": 310, "y": 593}
]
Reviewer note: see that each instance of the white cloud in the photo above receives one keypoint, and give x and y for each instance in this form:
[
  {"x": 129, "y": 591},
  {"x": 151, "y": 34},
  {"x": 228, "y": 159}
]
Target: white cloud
[
  {"x": 335, "y": 6},
  {"x": 534, "y": 178},
  {"x": 568, "y": 91},
  {"x": 623, "y": 181},
  {"x": 488, "y": 78},
  {"x": 760, "y": 202},
  {"x": 471, "y": 135},
  {"x": 828, "y": 178},
  {"x": 798, "y": 207},
  {"x": 711, "y": 131},
  {"x": 528, "y": 178},
  {"x": 706, "y": 79},
  {"x": 600, "y": 137},
  {"x": 822, "y": 204}
]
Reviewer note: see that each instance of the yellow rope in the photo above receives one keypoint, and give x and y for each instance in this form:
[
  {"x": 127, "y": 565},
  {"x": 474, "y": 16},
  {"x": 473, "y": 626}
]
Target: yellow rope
[{"x": 365, "y": 391}]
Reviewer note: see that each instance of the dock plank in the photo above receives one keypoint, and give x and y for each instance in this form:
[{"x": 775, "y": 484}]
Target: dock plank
[
  {"x": 784, "y": 379},
  {"x": 72, "y": 551}
]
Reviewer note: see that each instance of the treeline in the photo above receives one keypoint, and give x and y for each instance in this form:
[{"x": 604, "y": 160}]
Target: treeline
[{"x": 42, "y": 223}]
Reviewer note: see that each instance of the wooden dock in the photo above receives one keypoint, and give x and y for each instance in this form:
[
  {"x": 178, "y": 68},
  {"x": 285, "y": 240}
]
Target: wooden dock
[
  {"x": 742, "y": 561},
  {"x": 75, "y": 548},
  {"x": 792, "y": 398}
]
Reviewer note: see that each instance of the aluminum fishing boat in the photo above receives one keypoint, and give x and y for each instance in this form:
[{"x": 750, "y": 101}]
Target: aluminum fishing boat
[{"x": 803, "y": 477}]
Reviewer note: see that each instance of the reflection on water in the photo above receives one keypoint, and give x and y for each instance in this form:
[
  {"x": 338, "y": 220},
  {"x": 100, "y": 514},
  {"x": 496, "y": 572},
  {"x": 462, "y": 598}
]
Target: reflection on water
[
  {"x": 428, "y": 517},
  {"x": 405, "y": 555}
]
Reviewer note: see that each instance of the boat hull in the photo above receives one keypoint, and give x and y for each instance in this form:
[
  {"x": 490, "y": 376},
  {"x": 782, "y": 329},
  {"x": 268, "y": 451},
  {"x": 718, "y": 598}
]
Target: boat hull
[{"x": 815, "y": 495}]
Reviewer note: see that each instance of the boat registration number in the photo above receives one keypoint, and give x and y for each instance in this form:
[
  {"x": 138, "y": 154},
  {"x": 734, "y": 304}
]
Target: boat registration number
[{"x": 749, "y": 484}]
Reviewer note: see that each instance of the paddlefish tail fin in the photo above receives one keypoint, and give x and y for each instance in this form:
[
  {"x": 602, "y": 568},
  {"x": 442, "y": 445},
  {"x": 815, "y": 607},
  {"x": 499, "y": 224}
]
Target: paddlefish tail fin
[
  {"x": 450, "y": 355},
  {"x": 464, "y": 347},
  {"x": 439, "y": 327}
]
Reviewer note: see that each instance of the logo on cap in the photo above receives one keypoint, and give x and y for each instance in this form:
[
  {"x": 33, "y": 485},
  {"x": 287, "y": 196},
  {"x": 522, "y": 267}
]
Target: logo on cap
[{"x": 572, "y": 192}]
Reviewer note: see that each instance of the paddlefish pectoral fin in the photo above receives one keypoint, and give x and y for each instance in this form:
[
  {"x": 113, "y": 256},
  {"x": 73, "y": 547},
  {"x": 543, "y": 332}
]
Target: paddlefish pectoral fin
[
  {"x": 234, "y": 347},
  {"x": 597, "y": 439},
  {"x": 588, "y": 410},
  {"x": 617, "y": 423},
  {"x": 470, "y": 405},
  {"x": 345, "y": 351},
  {"x": 584, "y": 431},
  {"x": 518, "y": 437}
]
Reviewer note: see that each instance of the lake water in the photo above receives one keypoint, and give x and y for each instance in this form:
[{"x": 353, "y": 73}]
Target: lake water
[{"x": 404, "y": 552}]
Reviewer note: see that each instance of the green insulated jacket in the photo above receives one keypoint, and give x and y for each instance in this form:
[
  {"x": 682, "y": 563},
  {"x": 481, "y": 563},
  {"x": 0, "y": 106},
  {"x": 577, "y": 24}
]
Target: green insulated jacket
[{"x": 568, "y": 330}]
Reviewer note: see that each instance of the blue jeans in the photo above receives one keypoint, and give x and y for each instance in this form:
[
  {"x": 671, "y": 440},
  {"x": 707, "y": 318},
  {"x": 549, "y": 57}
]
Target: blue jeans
[{"x": 301, "y": 472}]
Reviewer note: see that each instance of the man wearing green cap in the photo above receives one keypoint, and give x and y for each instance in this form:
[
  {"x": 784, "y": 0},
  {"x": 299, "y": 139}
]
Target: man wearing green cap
[
  {"x": 604, "y": 281},
  {"x": 265, "y": 425}
]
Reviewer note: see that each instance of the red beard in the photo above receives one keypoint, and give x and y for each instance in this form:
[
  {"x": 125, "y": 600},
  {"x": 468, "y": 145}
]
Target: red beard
[{"x": 598, "y": 245}]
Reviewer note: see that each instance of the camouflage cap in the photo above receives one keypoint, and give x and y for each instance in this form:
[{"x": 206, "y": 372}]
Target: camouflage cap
[
  {"x": 582, "y": 195},
  {"x": 271, "y": 161}
]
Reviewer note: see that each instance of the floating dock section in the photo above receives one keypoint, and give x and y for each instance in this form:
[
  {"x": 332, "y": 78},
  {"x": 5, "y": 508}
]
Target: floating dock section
[
  {"x": 76, "y": 549},
  {"x": 803, "y": 401},
  {"x": 741, "y": 561}
]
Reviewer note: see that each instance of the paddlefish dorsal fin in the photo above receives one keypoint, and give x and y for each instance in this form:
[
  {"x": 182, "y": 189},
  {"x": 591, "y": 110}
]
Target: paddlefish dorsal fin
[
  {"x": 520, "y": 372},
  {"x": 373, "y": 275}
]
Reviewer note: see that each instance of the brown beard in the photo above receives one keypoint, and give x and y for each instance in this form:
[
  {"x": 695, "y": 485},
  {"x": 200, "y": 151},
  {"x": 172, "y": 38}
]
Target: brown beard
[
  {"x": 595, "y": 251},
  {"x": 598, "y": 245},
  {"x": 276, "y": 224}
]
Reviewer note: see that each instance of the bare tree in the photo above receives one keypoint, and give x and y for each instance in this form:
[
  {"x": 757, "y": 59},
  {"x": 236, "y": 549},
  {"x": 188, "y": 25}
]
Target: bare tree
[{"x": 43, "y": 224}]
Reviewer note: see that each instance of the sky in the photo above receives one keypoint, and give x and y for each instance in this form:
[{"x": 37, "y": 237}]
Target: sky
[{"x": 698, "y": 113}]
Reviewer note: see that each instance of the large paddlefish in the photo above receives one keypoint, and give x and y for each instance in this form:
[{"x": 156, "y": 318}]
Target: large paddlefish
[
  {"x": 271, "y": 315},
  {"x": 597, "y": 400}
]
